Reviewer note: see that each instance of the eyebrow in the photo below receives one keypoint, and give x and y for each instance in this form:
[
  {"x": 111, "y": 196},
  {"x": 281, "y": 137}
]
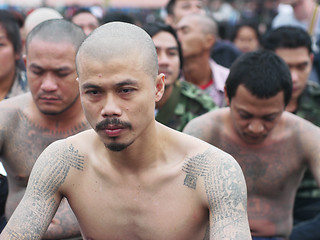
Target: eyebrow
[
  {"x": 33, "y": 65},
  {"x": 120, "y": 84}
]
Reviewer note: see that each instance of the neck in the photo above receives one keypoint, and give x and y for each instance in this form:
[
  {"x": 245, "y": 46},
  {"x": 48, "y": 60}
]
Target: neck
[
  {"x": 165, "y": 97},
  {"x": 143, "y": 154},
  {"x": 71, "y": 117},
  {"x": 197, "y": 70},
  {"x": 292, "y": 105}
]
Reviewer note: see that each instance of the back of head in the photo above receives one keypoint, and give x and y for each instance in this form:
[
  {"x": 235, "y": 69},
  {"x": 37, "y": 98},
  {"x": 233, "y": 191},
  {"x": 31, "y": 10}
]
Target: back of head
[
  {"x": 205, "y": 22},
  {"x": 117, "y": 40},
  {"x": 39, "y": 15},
  {"x": 57, "y": 31},
  {"x": 10, "y": 24},
  {"x": 154, "y": 28},
  {"x": 287, "y": 37},
  {"x": 262, "y": 73}
]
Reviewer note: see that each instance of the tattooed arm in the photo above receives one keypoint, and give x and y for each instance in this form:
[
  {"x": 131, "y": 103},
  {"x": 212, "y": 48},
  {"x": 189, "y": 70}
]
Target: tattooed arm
[
  {"x": 42, "y": 198},
  {"x": 64, "y": 223},
  {"x": 226, "y": 192}
]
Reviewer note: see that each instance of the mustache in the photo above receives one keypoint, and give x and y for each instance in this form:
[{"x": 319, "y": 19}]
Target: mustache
[{"x": 112, "y": 121}]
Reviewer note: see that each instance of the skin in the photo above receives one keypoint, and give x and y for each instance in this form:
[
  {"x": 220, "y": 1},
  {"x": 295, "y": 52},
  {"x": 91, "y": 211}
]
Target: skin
[
  {"x": 159, "y": 173},
  {"x": 246, "y": 40},
  {"x": 32, "y": 121},
  {"x": 86, "y": 21},
  {"x": 183, "y": 8},
  {"x": 7, "y": 62},
  {"x": 196, "y": 46},
  {"x": 273, "y": 148},
  {"x": 168, "y": 60},
  {"x": 300, "y": 63}
]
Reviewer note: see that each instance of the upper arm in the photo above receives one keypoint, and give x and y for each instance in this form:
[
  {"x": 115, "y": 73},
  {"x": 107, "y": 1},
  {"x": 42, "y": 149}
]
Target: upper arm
[
  {"x": 310, "y": 140},
  {"x": 227, "y": 199},
  {"x": 42, "y": 197},
  {"x": 197, "y": 128}
]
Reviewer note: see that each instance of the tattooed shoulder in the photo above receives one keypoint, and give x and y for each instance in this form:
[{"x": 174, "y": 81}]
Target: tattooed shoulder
[{"x": 54, "y": 164}]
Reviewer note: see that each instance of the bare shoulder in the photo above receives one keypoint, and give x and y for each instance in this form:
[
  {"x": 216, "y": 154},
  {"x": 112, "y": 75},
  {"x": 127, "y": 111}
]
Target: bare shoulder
[
  {"x": 203, "y": 126},
  {"x": 300, "y": 126},
  {"x": 12, "y": 106}
]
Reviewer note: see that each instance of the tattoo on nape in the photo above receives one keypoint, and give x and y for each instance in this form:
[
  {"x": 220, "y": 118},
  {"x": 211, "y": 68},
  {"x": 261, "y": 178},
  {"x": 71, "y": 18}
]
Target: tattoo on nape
[{"x": 195, "y": 167}]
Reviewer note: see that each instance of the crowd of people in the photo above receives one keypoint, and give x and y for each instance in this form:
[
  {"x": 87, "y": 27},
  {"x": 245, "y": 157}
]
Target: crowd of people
[{"x": 200, "y": 124}]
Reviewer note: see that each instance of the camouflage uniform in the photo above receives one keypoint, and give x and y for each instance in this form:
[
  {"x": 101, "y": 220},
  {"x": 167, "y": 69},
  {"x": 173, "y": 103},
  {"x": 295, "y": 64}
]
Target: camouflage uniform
[
  {"x": 185, "y": 103},
  {"x": 309, "y": 109}
]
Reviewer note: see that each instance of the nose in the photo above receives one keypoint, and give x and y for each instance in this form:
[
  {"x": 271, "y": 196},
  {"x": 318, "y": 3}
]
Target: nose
[
  {"x": 49, "y": 84},
  {"x": 110, "y": 107},
  {"x": 294, "y": 76},
  {"x": 256, "y": 127},
  {"x": 163, "y": 58}
]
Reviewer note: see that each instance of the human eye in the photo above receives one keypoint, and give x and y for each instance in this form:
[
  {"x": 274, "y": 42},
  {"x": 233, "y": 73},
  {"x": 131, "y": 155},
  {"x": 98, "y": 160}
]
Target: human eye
[
  {"x": 126, "y": 90},
  {"x": 302, "y": 67},
  {"x": 270, "y": 118},
  {"x": 172, "y": 52},
  {"x": 244, "y": 115}
]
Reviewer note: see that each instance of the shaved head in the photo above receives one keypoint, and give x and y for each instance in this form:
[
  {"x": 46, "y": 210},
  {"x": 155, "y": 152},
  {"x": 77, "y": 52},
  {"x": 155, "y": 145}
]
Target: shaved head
[
  {"x": 205, "y": 23},
  {"x": 117, "y": 40},
  {"x": 57, "y": 31}
]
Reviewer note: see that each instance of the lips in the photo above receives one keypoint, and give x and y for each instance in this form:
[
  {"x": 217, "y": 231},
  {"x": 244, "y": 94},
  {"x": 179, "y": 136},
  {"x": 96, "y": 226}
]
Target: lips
[{"x": 114, "y": 130}]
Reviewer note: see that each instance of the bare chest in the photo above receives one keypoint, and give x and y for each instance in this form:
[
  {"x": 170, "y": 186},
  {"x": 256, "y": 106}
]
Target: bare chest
[
  {"x": 24, "y": 143},
  {"x": 166, "y": 211}
]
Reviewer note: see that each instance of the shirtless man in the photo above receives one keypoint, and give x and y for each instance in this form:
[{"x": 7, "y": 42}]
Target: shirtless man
[
  {"x": 273, "y": 147},
  {"x": 131, "y": 177},
  {"x": 30, "y": 122}
]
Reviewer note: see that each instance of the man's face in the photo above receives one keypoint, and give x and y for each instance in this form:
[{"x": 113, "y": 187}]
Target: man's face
[
  {"x": 186, "y": 7},
  {"x": 118, "y": 98},
  {"x": 299, "y": 61},
  {"x": 191, "y": 37},
  {"x": 52, "y": 75},
  {"x": 168, "y": 56},
  {"x": 7, "y": 57},
  {"x": 86, "y": 21},
  {"x": 253, "y": 118}
]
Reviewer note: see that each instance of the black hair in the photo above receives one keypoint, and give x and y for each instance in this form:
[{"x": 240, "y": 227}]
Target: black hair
[
  {"x": 169, "y": 7},
  {"x": 117, "y": 17},
  {"x": 11, "y": 25},
  {"x": 83, "y": 10},
  {"x": 287, "y": 37},
  {"x": 262, "y": 73},
  {"x": 156, "y": 27},
  {"x": 245, "y": 23}
]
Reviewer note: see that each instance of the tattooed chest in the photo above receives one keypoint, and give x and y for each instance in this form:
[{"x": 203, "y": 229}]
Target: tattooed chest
[{"x": 268, "y": 170}]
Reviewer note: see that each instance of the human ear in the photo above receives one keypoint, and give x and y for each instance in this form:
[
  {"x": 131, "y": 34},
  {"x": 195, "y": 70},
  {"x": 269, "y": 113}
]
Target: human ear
[{"x": 159, "y": 87}]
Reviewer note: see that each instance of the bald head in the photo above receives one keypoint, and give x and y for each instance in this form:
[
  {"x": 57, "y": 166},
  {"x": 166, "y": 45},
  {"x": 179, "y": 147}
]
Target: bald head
[
  {"x": 57, "y": 31},
  {"x": 204, "y": 22},
  {"x": 117, "y": 40},
  {"x": 38, "y": 16}
]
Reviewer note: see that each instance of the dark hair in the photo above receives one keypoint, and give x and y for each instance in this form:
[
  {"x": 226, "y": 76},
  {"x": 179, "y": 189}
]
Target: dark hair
[
  {"x": 117, "y": 17},
  {"x": 169, "y": 7},
  {"x": 287, "y": 37},
  {"x": 10, "y": 23},
  {"x": 156, "y": 27},
  {"x": 263, "y": 73},
  {"x": 245, "y": 23},
  {"x": 83, "y": 10}
]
